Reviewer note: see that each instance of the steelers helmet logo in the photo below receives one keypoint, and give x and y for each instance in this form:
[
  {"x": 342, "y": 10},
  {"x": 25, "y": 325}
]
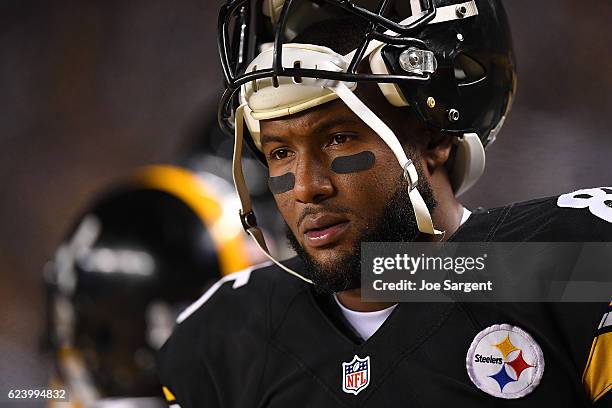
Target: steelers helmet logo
[{"x": 505, "y": 361}]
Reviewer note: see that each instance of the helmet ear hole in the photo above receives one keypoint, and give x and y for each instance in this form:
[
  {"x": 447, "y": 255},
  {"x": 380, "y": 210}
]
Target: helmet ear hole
[{"x": 468, "y": 71}]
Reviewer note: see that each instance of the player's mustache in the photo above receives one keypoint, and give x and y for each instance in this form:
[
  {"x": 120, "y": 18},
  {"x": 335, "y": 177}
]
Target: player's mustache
[{"x": 327, "y": 209}]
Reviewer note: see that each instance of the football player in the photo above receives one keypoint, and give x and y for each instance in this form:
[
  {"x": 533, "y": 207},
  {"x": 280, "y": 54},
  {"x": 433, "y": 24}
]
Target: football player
[
  {"x": 372, "y": 117},
  {"x": 138, "y": 256}
]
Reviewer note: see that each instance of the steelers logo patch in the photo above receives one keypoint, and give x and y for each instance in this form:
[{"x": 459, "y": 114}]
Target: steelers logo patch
[{"x": 505, "y": 361}]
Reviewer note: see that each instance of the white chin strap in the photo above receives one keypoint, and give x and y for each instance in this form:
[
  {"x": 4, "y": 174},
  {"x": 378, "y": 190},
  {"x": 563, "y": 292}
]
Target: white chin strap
[{"x": 421, "y": 212}]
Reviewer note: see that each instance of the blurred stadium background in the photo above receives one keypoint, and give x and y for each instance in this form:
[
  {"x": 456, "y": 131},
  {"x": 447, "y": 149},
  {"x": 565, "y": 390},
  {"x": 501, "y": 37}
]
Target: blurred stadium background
[{"x": 90, "y": 90}]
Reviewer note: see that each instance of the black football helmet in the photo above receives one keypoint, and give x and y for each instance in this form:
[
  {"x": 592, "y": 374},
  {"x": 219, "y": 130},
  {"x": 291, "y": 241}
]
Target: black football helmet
[
  {"x": 450, "y": 61},
  {"x": 139, "y": 255}
]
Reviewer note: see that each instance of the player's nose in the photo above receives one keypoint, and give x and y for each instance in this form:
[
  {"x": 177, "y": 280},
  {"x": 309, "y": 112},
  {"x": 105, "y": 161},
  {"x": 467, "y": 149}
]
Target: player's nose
[{"x": 312, "y": 180}]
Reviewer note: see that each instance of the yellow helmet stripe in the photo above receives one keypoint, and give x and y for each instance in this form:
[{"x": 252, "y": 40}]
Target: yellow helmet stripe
[{"x": 192, "y": 190}]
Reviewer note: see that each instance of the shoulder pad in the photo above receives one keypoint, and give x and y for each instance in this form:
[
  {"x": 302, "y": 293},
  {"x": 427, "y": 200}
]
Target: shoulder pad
[
  {"x": 582, "y": 216},
  {"x": 245, "y": 290},
  {"x": 238, "y": 280}
]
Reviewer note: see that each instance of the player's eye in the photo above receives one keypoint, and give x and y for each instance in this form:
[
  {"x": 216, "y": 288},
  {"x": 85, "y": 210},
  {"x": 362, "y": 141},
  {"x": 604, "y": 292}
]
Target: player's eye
[
  {"x": 279, "y": 154},
  {"x": 339, "y": 138}
]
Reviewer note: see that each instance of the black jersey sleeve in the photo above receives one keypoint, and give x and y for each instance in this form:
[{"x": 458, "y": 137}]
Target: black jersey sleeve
[
  {"x": 186, "y": 381},
  {"x": 191, "y": 362},
  {"x": 218, "y": 350}
]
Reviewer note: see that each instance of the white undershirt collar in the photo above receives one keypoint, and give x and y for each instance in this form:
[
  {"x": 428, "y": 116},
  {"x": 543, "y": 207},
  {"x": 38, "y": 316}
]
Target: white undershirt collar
[
  {"x": 367, "y": 323},
  {"x": 464, "y": 217}
]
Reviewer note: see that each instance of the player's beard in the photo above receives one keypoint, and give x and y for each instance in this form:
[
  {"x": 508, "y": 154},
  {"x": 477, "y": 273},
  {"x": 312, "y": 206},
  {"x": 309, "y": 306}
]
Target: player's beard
[{"x": 395, "y": 223}]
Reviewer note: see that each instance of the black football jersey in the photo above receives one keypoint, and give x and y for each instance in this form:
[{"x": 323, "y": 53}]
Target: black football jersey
[{"x": 262, "y": 338}]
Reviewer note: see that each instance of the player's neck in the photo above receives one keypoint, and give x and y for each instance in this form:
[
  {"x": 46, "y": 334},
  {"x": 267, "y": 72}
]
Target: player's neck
[
  {"x": 448, "y": 212},
  {"x": 447, "y": 217}
]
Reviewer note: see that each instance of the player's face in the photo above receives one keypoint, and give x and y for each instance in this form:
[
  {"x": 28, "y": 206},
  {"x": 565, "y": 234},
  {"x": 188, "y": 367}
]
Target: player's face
[{"x": 331, "y": 176}]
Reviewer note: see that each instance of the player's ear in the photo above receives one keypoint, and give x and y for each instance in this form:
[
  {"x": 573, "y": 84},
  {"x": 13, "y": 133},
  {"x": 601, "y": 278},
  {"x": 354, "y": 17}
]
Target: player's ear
[{"x": 437, "y": 151}]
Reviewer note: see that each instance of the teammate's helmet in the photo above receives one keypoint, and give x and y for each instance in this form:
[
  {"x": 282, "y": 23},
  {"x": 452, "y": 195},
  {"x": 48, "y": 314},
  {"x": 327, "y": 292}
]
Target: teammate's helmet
[
  {"x": 142, "y": 253},
  {"x": 450, "y": 61}
]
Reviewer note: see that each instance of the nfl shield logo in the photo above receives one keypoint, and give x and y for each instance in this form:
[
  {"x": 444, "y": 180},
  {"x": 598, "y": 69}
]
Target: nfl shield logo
[{"x": 356, "y": 375}]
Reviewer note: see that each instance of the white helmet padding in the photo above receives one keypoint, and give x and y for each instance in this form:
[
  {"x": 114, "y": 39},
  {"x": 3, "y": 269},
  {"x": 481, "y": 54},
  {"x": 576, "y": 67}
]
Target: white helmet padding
[{"x": 468, "y": 163}]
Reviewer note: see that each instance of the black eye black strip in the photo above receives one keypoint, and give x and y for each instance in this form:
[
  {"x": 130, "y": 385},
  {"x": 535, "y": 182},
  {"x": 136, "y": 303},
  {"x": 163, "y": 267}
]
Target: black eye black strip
[
  {"x": 354, "y": 163},
  {"x": 341, "y": 165},
  {"x": 281, "y": 184}
]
